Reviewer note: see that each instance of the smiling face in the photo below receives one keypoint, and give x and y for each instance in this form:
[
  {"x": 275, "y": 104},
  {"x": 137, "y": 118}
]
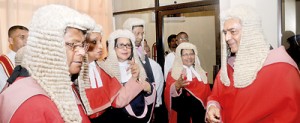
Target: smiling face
[
  {"x": 123, "y": 48},
  {"x": 94, "y": 40},
  {"x": 138, "y": 32},
  {"x": 75, "y": 49},
  {"x": 233, "y": 32},
  {"x": 188, "y": 57}
]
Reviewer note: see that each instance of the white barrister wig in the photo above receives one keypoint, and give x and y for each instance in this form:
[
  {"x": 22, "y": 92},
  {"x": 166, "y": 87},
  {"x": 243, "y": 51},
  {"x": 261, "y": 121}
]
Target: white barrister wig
[
  {"x": 178, "y": 65},
  {"x": 111, "y": 65},
  {"x": 129, "y": 24},
  {"x": 19, "y": 56},
  {"x": 98, "y": 28},
  {"x": 45, "y": 56},
  {"x": 253, "y": 49}
]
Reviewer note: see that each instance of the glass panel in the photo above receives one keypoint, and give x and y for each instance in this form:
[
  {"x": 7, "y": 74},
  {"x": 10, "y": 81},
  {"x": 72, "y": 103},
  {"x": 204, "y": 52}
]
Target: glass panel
[
  {"x": 170, "y": 2},
  {"x": 200, "y": 26},
  {"x": 123, "y": 5}
]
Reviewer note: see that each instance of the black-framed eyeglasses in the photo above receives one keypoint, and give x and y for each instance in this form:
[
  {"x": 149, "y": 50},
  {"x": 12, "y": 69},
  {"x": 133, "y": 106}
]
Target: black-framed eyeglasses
[
  {"x": 122, "y": 46},
  {"x": 74, "y": 46}
]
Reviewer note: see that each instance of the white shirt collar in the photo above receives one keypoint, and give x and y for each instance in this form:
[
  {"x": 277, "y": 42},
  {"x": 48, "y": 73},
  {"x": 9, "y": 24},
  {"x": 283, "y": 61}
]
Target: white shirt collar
[
  {"x": 125, "y": 74},
  {"x": 94, "y": 75},
  {"x": 11, "y": 55}
]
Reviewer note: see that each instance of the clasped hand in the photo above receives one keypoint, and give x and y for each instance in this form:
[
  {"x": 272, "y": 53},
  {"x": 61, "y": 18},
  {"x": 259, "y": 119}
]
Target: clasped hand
[
  {"x": 181, "y": 83},
  {"x": 135, "y": 71}
]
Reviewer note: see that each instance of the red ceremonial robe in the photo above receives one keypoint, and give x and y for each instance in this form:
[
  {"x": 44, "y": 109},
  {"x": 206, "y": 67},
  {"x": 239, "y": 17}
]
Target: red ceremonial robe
[
  {"x": 130, "y": 99},
  {"x": 196, "y": 88},
  {"x": 273, "y": 97},
  {"x": 101, "y": 98},
  {"x": 7, "y": 65},
  {"x": 26, "y": 102}
]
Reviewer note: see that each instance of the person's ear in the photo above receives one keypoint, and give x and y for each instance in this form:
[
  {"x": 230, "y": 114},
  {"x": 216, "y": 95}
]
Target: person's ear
[{"x": 10, "y": 40}]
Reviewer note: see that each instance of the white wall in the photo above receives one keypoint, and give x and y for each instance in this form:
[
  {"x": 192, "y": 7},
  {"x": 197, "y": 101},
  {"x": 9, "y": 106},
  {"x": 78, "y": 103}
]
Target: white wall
[
  {"x": 297, "y": 17},
  {"x": 268, "y": 11},
  {"x": 122, "y": 5}
]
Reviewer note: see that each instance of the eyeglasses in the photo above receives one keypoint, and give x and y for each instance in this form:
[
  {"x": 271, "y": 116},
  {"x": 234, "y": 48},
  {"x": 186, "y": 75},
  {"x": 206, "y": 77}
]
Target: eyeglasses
[
  {"x": 122, "y": 46},
  {"x": 74, "y": 46},
  {"x": 188, "y": 54}
]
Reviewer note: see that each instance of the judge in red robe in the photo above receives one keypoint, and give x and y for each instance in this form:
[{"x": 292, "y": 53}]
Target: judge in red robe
[
  {"x": 98, "y": 93},
  {"x": 54, "y": 51},
  {"x": 32, "y": 103},
  {"x": 187, "y": 87},
  {"x": 255, "y": 84}
]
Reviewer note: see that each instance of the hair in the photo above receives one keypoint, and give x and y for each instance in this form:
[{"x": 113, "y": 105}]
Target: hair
[
  {"x": 84, "y": 32},
  {"x": 170, "y": 38},
  {"x": 91, "y": 42},
  {"x": 137, "y": 26},
  {"x": 14, "y": 28},
  {"x": 180, "y": 33},
  {"x": 107, "y": 43},
  {"x": 293, "y": 39}
]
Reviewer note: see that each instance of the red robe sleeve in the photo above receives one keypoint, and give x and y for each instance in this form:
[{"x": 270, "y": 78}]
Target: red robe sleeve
[
  {"x": 270, "y": 98},
  {"x": 37, "y": 109},
  {"x": 217, "y": 88},
  {"x": 172, "y": 115},
  {"x": 127, "y": 93},
  {"x": 101, "y": 98},
  {"x": 281, "y": 101},
  {"x": 40, "y": 109}
]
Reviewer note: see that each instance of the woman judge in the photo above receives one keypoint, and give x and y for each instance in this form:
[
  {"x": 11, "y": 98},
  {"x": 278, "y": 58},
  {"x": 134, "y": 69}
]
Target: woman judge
[
  {"x": 130, "y": 104},
  {"x": 186, "y": 87}
]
